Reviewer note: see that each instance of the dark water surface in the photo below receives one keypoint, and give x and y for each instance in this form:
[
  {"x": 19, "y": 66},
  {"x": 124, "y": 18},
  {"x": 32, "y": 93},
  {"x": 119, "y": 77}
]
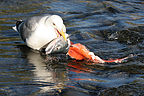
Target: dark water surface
[{"x": 109, "y": 28}]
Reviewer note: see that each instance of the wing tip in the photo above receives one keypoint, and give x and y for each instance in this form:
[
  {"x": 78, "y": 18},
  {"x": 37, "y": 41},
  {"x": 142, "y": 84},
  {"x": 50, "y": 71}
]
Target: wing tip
[
  {"x": 18, "y": 23},
  {"x": 14, "y": 28}
]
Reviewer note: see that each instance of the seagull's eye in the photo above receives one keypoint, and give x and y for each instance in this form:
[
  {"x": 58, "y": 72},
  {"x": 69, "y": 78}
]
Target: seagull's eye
[{"x": 54, "y": 24}]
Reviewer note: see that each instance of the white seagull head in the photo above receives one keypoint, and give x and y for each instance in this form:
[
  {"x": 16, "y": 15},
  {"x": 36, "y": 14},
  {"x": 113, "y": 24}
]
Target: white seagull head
[{"x": 57, "y": 23}]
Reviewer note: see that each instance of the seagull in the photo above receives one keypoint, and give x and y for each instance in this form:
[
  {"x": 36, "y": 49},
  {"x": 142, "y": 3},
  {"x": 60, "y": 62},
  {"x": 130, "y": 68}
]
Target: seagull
[{"x": 45, "y": 31}]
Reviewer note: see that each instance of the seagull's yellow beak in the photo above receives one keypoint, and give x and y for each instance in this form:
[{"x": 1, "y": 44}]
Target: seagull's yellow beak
[{"x": 62, "y": 34}]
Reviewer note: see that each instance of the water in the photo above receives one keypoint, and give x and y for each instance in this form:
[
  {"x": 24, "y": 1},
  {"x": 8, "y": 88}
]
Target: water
[{"x": 109, "y": 28}]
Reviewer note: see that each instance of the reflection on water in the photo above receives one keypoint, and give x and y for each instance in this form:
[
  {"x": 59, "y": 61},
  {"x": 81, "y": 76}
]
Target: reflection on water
[
  {"x": 78, "y": 75},
  {"x": 48, "y": 78},
  {"x": 109, "y": 28}
]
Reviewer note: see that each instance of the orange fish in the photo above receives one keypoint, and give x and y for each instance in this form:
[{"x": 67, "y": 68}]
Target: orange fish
[{"x": 80, "y": 52}]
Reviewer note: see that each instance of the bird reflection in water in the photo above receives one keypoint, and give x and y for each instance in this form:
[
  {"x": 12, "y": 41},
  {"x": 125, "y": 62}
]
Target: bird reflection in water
[{"x": 49, "y": 76}]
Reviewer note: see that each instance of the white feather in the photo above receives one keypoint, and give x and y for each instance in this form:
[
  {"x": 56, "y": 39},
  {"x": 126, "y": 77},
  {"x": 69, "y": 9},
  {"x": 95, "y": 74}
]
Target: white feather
[{"x": 15, "y": 28}]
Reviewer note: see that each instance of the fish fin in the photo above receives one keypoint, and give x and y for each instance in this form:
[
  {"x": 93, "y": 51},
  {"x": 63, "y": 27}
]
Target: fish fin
[
  {"x": 50, "y": 46},
  {"x": 49, "y": 49}
]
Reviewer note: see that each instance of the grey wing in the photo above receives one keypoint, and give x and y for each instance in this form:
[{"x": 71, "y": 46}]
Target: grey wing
[{"x": 27, "y": 28}]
